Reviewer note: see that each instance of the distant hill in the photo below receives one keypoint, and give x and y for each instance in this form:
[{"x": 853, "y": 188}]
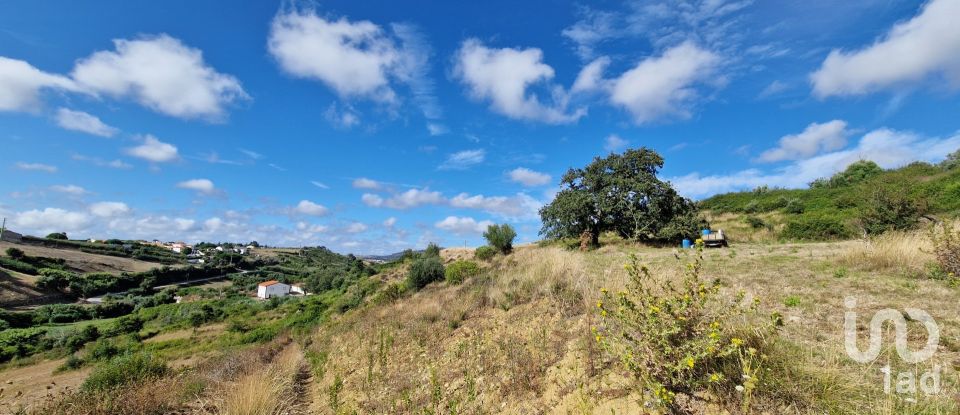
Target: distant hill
[
  {"x": 386, "y": 258},
  {"x": 832, "y": 207}
]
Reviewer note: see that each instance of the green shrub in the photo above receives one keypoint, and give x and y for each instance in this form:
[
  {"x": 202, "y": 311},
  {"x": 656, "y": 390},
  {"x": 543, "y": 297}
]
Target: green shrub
[
  {"x": 485, "y": 253},
  {"x": 15, "y": 253},
  {"x": 889, "y": 209},
  {"x": 681, "y": 338},
  {"x": 460, "y": 270},
  {"x": 424, "y": 271},
  {"x": 500, "y": 237},
  {"x": 54, "y": 279},
  {"x": 123, "y": 370},
  {"x": 755, "y": 222},
  {"x": 815, "y": 227},
  {"x": 794, "y": 206},
  {"x": 72, "y": 363},
  {"x": 432, "y": 250},
  {"x": 752, "y": 207},
  {"x": 59, "y": 236}
]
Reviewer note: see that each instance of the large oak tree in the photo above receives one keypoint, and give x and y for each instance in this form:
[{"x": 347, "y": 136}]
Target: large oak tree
[{"x": 620, "y": 193}]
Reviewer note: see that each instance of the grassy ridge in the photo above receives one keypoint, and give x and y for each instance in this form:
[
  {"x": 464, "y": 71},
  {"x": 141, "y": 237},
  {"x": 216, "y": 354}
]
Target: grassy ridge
[{"x": 831, "y": 212}]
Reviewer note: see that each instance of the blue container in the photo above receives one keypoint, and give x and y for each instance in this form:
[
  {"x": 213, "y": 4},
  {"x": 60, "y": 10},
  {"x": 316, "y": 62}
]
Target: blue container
[
  {"x": 686, "y": 243},
  {"x": 705, "y": 231}
]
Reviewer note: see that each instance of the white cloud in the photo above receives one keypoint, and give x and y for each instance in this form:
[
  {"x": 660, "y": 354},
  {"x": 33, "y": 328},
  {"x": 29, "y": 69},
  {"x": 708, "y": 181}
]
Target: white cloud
[
  {"x": 307, "y": 207},
  {"x": 36, "y": 167},
  {"x": 161, "y": 73},
  {"x": 663, "y": 86},
  {"x": 319, "y": 184},
  {"x": 772, "y": 89},
  {"x": 356, "y": 227},
  {"x": 204, "y": 186},
  {"x": 816, "y": 138},
  {"x": 109, "y": 209},
  {"x": 114, "y": 164},
  {"x": 409, "y": 199},
  {"x": 911, "y": 51},
  {"x": 463, "y": 160},
  {"x": 463, "y": 225},
  {"x": 51, "y": 220},
  {"x": 353, "y": 58},
  {"x": 365, "y": 183},
  {"x": 154, "y": 150},
  {"x": 503, "y": 77},
  {"x": 21, "y": 84},
  {"x": 595, "y": 27},
  {"x": 590, "y": 77},
  {"x": 519, "y": 206},
  {"x": 614, "y": 143},
  {"x": 390, "y": 222},
  {"x": 83, "y": 122},
  {"x": 888, "y": 148},
  {"x": 345, "y": 118},
  {"x": 437, "y": 129},
  {"x": 529, "y": 177},
  {"x": 70, "y": 189}
]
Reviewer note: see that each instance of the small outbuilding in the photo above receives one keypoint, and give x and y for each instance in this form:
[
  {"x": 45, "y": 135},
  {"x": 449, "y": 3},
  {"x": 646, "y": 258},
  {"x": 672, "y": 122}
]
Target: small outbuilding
[{"x": 272, "y": 288}]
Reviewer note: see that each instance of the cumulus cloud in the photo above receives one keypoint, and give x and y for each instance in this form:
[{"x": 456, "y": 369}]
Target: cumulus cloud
[
  {"x": 352, "y": 58},
  {"x": 152, "y": 149},
  {"x": 70, "y": 189},
  {"x": 160, "y": 73},
  {"x": 83, "y": 122},
  {"x": 664, "y": 86},
  {"x": 463, "y": 225},
  {"x": 520, "y": 206},
  {"x": 109, "y": 209},
  {"x": 529, "y": 177},
  {"x": 463, "y": 160},
  {"x": 614, "y": 143},
  {"x": 406, "y": 200},
  {"x": 390, "y": 222},
  {"x": 503, "y": 77},
  {"x": 46, "y": 168},
  {"x": 888, "y": 148},
  {"x": 910, "y": 52},
  {"x": 816, "y": 138},
  {"x": 51, "y": 220},
  {"x": 21, "y": 84},
  {"x": 307, "y": 207},
  {"x": 365, "y": 183},
  {"x": 204, "y": 186}
]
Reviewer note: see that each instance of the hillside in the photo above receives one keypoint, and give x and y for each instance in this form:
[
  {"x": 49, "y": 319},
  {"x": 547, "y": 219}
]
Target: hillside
[
  {"x": 519, "y": 337},
  {"x": 832, "y": 208}
]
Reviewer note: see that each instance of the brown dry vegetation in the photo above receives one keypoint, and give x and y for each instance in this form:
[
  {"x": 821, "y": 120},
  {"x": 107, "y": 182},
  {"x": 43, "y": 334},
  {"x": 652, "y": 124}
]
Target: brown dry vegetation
[{"x": 82, "y": 261}]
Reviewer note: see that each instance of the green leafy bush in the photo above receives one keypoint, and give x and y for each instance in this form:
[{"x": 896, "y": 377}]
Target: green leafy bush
[
  {"x": 432, "y": 250},
  {"x": 752, "y": 207},
  {"x": 424, "y": 271},
  {"x": 15, "y": 253},
  {"x": 54, "y": 279},
  {"x": 460, "y": 270},
  {"x": 946, "y": 249},
  {"x": 60, "y": 236},
  {"x": 123, "y": 370},
  {"x": 890, "y": 209},
  {"x": 485, "y": 253},
  {"x": 680, "y": 339},
  {"x": 815, "y": 227},
  {"x": 500, "y": 237},
  {"x": 794, "y": 206},
  {"x": 755, "y": 222}
]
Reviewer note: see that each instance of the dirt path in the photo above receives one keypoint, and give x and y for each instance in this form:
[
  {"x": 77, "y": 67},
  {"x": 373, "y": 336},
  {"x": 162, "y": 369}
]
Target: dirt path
[{"x": 303, "y": 391}]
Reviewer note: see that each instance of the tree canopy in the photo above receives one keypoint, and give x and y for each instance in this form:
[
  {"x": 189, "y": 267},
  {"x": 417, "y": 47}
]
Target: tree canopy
[{"x": 620, "y": 193}]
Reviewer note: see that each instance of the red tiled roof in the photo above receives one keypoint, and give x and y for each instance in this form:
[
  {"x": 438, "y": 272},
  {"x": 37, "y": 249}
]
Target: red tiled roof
[{"x": 269, "y": 283}]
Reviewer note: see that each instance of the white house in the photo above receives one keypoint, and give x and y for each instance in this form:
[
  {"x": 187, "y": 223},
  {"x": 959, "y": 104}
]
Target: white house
[{"x": 272, "y": 288}]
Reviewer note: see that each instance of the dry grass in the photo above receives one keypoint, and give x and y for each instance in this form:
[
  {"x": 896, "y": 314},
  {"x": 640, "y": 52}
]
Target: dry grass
[
  {"x": 265, "y": 391},
  {"x": 901, "y": 252}
]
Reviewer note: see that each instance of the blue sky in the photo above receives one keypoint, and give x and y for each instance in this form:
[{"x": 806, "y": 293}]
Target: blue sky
[{"x": 372, "y": 127}]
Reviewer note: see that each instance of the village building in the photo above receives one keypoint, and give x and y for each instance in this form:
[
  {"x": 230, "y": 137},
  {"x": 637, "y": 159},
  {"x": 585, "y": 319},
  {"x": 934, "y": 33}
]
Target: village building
[{"x": 272, "y": 288}]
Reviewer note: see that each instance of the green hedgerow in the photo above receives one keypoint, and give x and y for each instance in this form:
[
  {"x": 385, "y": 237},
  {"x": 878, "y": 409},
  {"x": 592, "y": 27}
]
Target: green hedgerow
[
  {"x": 460, "y": 270},
  {"x": 485, "y": 253}
]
